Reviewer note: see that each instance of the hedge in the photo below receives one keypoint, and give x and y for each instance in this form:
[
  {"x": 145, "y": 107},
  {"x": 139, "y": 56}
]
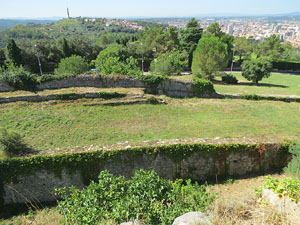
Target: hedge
[
  {"x": 284, "y": 65},
  {"x": 202, "y": 86}
]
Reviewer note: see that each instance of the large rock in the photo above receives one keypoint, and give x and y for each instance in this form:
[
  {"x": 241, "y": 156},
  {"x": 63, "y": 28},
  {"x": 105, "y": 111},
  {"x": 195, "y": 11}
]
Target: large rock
[
  {"x": 192, "y": 218},
  {"x": 136, "y": 222}
]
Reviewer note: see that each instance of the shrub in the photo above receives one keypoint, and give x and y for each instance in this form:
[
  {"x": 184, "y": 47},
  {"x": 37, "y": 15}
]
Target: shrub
[
  {"x": 145, "y": 196},
  {"x": 229, "y": 79},
  {"x": 288, "y": 187},
  {"x": 18, "y": 78},
  {"x": 72, "y": 66},
  {"x": 293, "y": 167},
  {"x": 256, "y": 69},
  {"x": 202, "y": 86},
  {"x": 11, "y": 143},
  {"x": 115, "y": 59}
]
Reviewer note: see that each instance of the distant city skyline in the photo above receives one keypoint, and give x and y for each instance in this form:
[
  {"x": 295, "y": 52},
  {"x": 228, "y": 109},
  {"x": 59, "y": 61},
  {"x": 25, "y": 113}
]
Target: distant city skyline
[{"x": 143, "y": 8}]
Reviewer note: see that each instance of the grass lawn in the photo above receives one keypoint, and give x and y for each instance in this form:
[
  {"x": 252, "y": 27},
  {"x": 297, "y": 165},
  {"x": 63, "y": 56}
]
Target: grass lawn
[
  {"x": 68, "y": 124},
  {"x": 276, "y": 84}
]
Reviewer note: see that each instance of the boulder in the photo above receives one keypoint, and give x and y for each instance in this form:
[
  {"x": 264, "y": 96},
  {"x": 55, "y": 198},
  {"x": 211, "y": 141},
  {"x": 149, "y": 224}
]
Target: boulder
[
  {"x": 135, "y": 222},
  {"x": 192, "y": 218}
]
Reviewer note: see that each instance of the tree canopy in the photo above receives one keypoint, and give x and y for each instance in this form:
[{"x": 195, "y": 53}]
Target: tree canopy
[
  {"x": 209, "y": 57},
  {"x": 256, "y": 69}
]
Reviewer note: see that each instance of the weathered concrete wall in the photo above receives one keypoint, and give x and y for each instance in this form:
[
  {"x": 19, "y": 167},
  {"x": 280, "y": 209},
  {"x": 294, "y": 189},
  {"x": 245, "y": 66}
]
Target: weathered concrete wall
[
  {"x": 173, "y": 88},
  {"x": 198, "y": 166}
]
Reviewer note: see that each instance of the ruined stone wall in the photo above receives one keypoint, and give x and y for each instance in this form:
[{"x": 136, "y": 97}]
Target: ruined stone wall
[
  {"x": 172, "y": 88},
  {"x": 37, "y": 186}
]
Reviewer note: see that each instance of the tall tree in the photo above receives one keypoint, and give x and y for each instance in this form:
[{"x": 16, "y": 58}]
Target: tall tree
[
  {"x": 66, "y": 49},
  {"x": 14, "y": 53},
  {"x": 242, "y": 47},
  {"x": 2, "y": 57},
  {"x": 214, "y": 30},
  {"x": 171, "y": 39},
  {"x": 209, "y": 57},
  {"x": 271, "y": 47},
  {"x": 190, "y": 36}
]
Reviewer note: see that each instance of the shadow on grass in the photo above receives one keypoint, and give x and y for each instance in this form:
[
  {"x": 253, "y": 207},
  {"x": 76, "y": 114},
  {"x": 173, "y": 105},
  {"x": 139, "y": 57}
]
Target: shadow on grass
[{"x": 251, "y": 84}]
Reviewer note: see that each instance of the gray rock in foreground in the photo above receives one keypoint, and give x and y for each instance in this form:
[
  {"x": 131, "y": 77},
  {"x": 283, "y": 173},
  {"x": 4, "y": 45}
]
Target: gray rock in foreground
[
  {"x": 136, "y": 222},
  {"x": 192, "y": 218}
]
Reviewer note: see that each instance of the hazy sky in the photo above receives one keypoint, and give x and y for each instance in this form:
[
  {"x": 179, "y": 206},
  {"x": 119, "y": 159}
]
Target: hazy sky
[{"x": 142, "y": 8}]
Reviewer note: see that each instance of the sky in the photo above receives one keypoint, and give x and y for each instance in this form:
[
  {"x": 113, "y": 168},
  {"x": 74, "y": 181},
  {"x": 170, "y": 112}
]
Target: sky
[{"x": 142, "y": 8}]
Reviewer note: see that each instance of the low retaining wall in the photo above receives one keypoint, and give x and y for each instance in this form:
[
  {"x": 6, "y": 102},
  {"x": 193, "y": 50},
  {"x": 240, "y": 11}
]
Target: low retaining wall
[
  {"x": 67, "y": 96},
  {"x": 171, "y": 87},
  {"x": 33, "y": 179}
]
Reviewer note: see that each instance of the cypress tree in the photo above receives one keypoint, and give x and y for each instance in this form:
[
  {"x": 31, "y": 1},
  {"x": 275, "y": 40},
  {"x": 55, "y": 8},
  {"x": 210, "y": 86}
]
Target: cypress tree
[
  {"x": 66, "y": 48},
  {"x": 14, "y": 53}
]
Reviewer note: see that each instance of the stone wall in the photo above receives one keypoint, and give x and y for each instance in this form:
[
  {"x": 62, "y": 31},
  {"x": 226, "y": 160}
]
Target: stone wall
[
  {"x": 172, "y": 88},
  {"x": 4, "y": 87},
  {"x": 198, "y": 166}
]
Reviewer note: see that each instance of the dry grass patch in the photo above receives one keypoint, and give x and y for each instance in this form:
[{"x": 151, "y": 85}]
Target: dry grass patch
[
  {"x": 77, "y": 90},
  {"x": 237, "y": 204}
]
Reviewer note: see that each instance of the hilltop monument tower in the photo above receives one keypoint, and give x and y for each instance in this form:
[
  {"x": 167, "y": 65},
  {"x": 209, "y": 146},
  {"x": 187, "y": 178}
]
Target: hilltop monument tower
[{"x": 68, "y": 13}]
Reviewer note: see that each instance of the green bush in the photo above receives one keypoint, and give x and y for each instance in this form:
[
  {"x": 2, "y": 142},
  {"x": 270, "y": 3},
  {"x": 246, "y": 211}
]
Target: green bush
[
  {"x": 256, "y": 69},
  {"x": 72, "y": 66},
  {"x": 169, "y": 63},
  {"x": 51, "y": 77},
  {"x": 288, "y": 187},
  {"x": 202, "y": 86},
  {"x": 286, "y": 65},
  {"x": 293, "y": 167},
  {"x": 11, "y": 143},
  {"x": 115, "y": 59},
  {"x": 229, "y": 79},
  {"x": 19, "y": 79},
  {"x": 145, "y": 196}
]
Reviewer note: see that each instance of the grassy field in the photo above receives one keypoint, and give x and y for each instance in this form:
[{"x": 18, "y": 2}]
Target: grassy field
[
  {"x": 68, "y": 124},
  {"x": 276, "y": 84}
]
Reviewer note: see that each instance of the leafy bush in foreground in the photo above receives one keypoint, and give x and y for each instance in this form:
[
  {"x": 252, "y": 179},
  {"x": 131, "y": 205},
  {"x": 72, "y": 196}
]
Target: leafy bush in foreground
[
  {"x": 145, "y": 196},
  {"x": 288, "y": 187}
]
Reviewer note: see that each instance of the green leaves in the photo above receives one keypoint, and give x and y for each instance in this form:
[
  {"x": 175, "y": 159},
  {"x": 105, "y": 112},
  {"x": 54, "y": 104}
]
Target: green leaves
[
  {"x": 170, "y": 62},
  {"x": 145, "y": 196},
  {"x": 202, "y": 86},
  {"x": 72, "y": 66},
  {"x": 17, "y": 78},
  {"x": 209, "y": 57},
  {"x": 115, "y": 60},
  {"x": 257, "y": 69},
  {"x": 288, "y": 187}
]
